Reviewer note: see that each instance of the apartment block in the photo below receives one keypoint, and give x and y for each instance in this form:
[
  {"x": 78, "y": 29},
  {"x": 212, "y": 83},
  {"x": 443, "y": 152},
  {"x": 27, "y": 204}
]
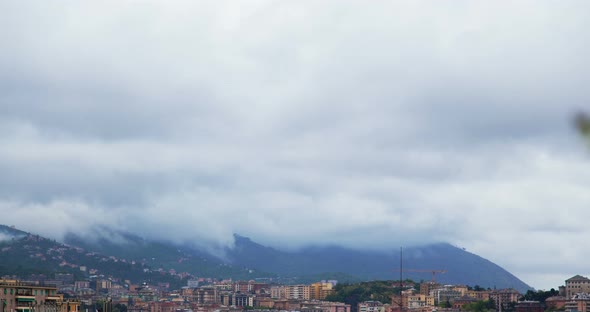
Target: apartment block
[
  {"x": 28, "y": 297},
  {"x": 444, "y": 294},
  {"x": 578, "y": 303},
  {"x": 277, "y": 292},
  {"x": 324, "y": 306},
  {"x": 205, "y": 295},
  {"x": 300, "y": 292},
  {"x": 319, "y": 291},
  {"x": 479, "y": 295},
  {"x": 418, "y": 301},
  {"x": 529, "y": 306},
  {"x": 242, "y": 300},
  {"x": 426, "y": 287},
  {"x": 577, "y": 284},
  {"x": 503, "y": 297},
  {"x": 370, "y": 306}
]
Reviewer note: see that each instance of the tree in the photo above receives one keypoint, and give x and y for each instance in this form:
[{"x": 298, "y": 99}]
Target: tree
[
  {"x": 120, "y": 308},
  {"x": 445, "y": 304},
  {"x": 582, "y": 122},
  {"x": 539, "y": 295},
  {"x": 480, "y": 306}
]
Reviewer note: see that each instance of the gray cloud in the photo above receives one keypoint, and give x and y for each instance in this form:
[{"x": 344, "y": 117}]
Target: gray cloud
[{"x": 304, "y": 123}]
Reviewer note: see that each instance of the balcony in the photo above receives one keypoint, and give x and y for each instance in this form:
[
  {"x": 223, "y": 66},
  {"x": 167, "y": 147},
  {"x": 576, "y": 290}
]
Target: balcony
[
  {"x": 25, "y": 298},
  {"x": 53, "y": 298}
]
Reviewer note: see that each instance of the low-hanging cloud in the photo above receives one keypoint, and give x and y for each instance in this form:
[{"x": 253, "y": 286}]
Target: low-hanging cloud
[{"x": 304, "y": 123}]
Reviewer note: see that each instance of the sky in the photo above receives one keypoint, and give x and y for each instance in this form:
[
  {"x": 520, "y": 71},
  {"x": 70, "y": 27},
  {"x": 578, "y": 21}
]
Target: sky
[{"x": 362, "y": 124}]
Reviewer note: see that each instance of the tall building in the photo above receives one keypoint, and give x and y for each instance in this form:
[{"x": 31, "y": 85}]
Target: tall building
[
  {"x": 205, "y": 295},
  {"x": 503, "y": 297},
  {"x": 529, "y": 306},
  {"x": 370, "y": 306},
  {"x": 301, "y": 292},
  {"x": 29, "y": 297},
  {"x": 577, "y": 284},
  {"x": 578, "y": 303},
  {"x": 321, "y": 290},
  {"x": 444, "y": 294},
  {"x": 426, "y": 287}
]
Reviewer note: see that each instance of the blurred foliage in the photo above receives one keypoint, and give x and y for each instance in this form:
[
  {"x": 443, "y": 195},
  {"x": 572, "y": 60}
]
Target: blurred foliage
[
  {"x": 582, "y": 122},
  {"x": 480, "y": 306},
  {"x": 540, "y": 295}
]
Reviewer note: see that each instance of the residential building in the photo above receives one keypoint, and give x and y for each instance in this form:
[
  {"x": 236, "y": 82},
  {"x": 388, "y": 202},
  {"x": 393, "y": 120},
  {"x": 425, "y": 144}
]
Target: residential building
[
  {"x": 529, "y": 306},
  {"x": 242, "y": 300},
  {"x": 555, "y": 302},
  {"x": 418, "y": 300},
  {"x": 324, "y": 306},
  {"x": 503, "y": 297},
  {"x": 277, "y": 292},
  {"x": 370, "y": 306},
  {"x": 301, "y": 292},
  {"x": 578, "y": 303},
  {"x": 479, "y": 295},
  {"x": 460, "y": 302},
  {"x": 426, "y": 287},
  {"x": 577, "y": 284},
  {"x": 444, "y": 294},
  {"x": 205, "y": 295},
  {"x": 320, "y": 290},
  {"x": 28, "y": 297}
]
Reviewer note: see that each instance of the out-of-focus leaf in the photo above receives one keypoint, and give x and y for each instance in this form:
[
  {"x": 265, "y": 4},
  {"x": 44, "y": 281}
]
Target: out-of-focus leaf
[{"x": 582, "y": 122}]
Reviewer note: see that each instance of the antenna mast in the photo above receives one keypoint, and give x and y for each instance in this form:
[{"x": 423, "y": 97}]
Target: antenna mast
[{"x": 401, "y": 283}]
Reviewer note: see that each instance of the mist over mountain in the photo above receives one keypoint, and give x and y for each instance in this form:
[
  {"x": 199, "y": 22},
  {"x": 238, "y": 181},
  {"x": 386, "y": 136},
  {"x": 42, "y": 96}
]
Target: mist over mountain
[
  {"x": 7, "y": 232},
  {"x": 120, "y": 253},
  {"x": 461, "y": 267}
]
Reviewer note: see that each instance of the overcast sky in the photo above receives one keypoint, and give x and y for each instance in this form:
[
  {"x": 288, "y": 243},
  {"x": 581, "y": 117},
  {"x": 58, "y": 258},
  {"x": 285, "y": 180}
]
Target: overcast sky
[{"x": 363, "y": 124}]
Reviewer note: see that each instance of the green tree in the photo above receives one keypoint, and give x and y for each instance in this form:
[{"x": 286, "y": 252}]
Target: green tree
[
  {"x": 480, "y": 306},
  {"x": 119, "y": 308},
  {"x": 445, "y": 304},
  {"x": 539, "y": 295}
]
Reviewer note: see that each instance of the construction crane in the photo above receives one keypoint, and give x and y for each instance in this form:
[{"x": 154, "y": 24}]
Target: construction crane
[{"x": 434, "y": 272}]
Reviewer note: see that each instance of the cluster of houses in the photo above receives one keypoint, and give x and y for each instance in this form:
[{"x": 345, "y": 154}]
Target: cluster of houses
[{"x": 99, "y": 294}]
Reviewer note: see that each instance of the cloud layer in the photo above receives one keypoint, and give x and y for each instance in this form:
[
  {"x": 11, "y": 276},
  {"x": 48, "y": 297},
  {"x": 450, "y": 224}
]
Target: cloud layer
[{"x": 302, "y": 123}]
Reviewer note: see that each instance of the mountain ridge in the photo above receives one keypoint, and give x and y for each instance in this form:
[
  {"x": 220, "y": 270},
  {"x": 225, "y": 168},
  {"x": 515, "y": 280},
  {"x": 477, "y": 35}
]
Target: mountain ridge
[
  {"x": 249, "y": 260},
  {"x": 462, "y": 267}
]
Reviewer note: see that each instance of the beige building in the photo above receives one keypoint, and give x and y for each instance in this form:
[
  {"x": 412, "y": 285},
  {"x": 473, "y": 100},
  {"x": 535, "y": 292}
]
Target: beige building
[
  {"x": 419, "y": 300},
  {"x": 371, "y": 306},
  {"x": 16, "y": 296},
  {"x": 319, "y": 291},
  {"x": 461, "y": 289},
  {"x": 504, "y": 296},
  {"x": 479, "y": 295},
  {"x": 300, "y": 292},
  {"x": 426, "y": 287},
  {"x": 576, "y": 284},
  {"x": 277, "y": 292}
]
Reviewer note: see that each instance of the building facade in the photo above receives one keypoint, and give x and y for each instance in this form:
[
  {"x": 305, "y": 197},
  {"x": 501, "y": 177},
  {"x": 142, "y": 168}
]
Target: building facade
[
  {"x": 16, "y": 296},
  {"x": 577, "y": 284}
]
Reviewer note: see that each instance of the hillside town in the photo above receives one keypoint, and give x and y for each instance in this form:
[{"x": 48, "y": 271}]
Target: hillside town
[{"x": 65, "y": 293}]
